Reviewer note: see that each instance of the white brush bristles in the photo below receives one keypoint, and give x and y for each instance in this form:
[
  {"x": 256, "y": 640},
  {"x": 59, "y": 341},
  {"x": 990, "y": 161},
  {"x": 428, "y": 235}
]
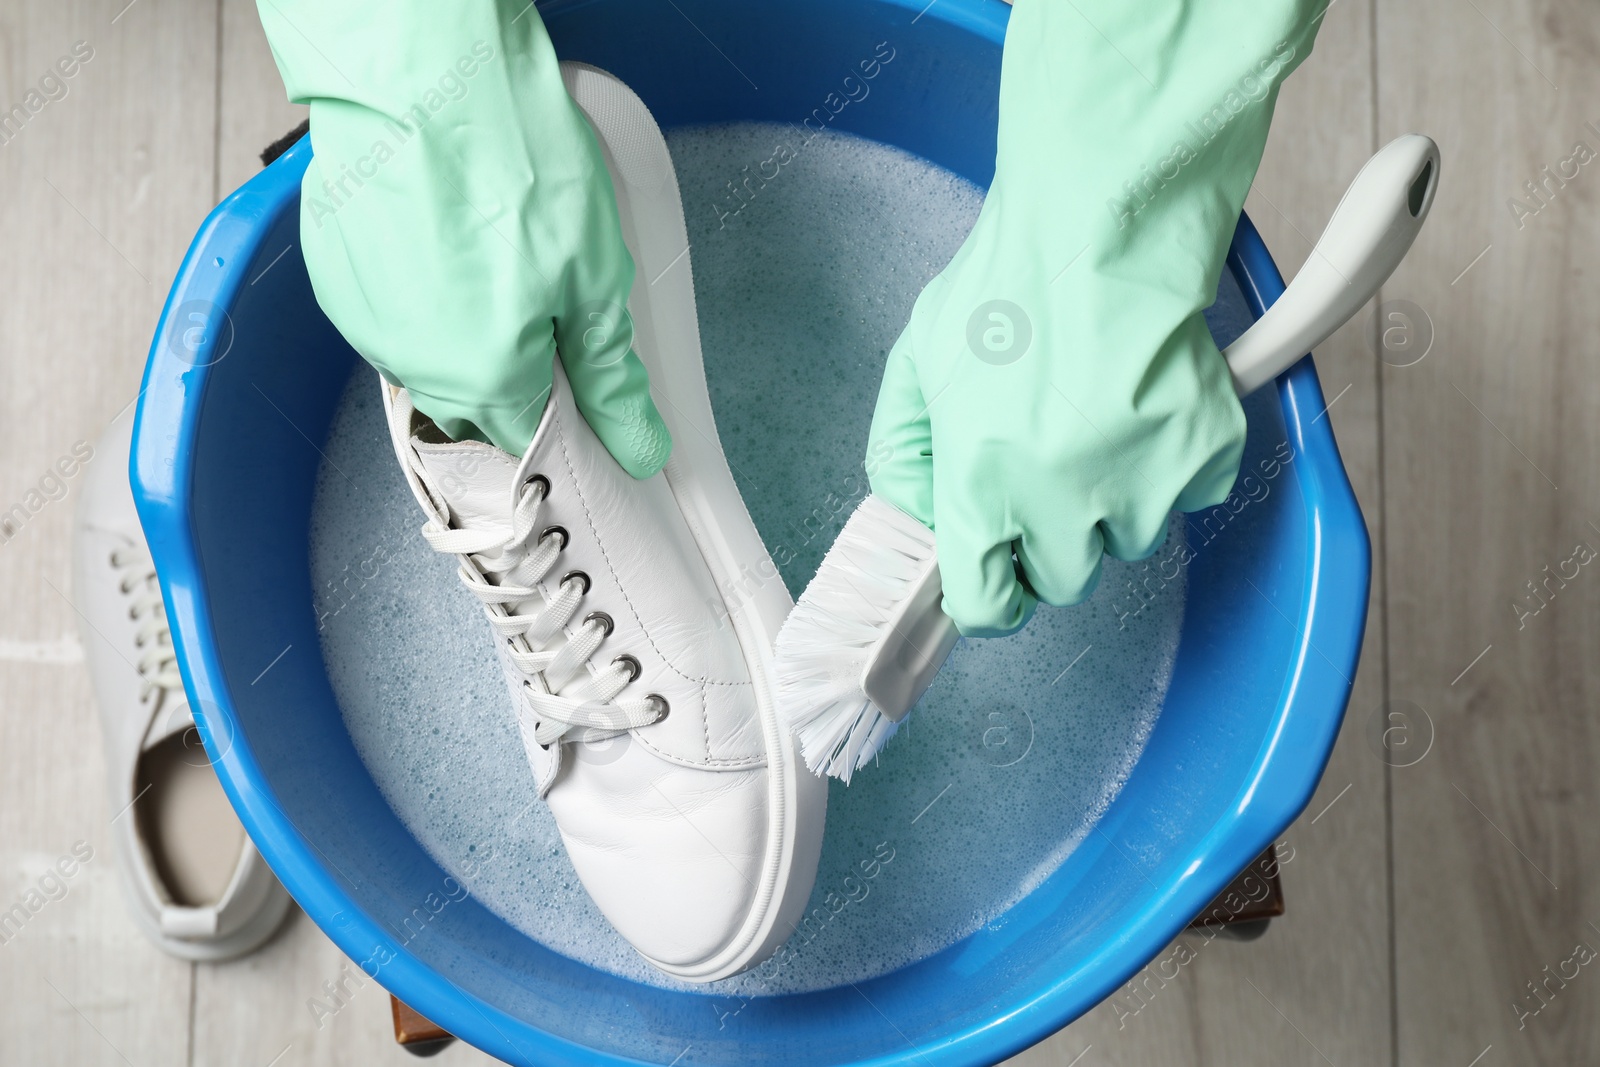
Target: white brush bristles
[{"x": 824, "y": 646}]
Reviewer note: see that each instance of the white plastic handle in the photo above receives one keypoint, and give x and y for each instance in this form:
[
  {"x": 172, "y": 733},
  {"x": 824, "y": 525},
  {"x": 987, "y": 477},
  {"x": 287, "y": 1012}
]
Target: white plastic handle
[{"x": 1369, "y": 234}]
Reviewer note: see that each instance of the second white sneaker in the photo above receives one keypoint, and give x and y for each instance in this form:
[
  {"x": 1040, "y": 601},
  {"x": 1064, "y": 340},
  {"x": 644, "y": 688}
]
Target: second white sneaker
[{"x": 194, "y": 883}]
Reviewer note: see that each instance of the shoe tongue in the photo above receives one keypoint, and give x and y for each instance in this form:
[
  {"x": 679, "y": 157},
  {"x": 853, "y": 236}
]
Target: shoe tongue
[{"x": 475, "y": 479}]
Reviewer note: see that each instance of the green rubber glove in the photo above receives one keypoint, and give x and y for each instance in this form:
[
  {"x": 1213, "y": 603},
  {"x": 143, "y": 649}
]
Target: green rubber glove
[
  {"x": 458, "y": 221},
  {"x": 1056, "y": 393}
]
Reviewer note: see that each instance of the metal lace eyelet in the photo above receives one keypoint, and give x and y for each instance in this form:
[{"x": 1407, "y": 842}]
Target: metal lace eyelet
[
  {"x": 559, "y": 531},
  {"x": 660, "y": 702},
  {"x": 541, "y": 481},
  {"x": 579, "y": 576},
  {"x": 603, "y": 619},
  {"x": 634, "y": 670}
]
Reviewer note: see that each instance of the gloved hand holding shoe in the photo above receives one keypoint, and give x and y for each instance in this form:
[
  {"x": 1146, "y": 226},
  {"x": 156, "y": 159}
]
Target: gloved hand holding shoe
[{"x": 458, "y": 222}]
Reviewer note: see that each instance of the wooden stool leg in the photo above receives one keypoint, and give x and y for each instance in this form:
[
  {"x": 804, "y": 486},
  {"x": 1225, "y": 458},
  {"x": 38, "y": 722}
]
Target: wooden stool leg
[
  {"x": 415, "y": 1034},
  {"x": 1247, "y": 907}
]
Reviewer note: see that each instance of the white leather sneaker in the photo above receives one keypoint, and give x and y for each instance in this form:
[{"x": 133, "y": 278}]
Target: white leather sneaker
[
  {"x": 644, "y": 694},
  {"x": 193, "y": 881}
]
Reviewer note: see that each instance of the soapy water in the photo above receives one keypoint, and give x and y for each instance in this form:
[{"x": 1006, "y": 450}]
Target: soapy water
[{"x": 1003, "y": 768}]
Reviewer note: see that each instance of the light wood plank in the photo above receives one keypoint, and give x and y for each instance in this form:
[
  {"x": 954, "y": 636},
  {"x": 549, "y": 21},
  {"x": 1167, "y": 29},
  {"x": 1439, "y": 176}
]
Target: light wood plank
[
  {"x": 1478, "y": 438},
  {"x": 255, "y": 111},
  {"x": 1318, "y": 984},
  {"x": 102, "y": 188}
]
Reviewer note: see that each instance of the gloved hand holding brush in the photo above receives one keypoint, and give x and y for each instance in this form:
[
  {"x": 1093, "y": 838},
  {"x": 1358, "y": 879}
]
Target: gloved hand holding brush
[{"x": 1057, "y": 393}]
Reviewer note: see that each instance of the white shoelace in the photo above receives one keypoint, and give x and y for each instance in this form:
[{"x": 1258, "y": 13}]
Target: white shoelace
[
  {"x": 158, "y": 660},
  {"x": 570, "y": 699}
]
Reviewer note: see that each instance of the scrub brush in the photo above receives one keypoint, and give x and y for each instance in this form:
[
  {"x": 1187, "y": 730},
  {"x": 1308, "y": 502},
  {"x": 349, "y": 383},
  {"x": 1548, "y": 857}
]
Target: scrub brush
[{"x": 869, "y": 634}]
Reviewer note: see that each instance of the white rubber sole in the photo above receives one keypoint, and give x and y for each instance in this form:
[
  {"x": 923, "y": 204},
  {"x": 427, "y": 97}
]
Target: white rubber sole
[{"x": 667, "y": 339}]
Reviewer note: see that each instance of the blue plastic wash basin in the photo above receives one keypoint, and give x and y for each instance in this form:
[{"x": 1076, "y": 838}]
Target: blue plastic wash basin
[{"x": 244, "y": 378}]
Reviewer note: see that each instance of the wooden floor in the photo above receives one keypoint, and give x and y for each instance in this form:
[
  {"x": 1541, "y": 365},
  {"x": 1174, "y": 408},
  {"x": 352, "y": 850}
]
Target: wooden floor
[{"x": 1423, "y": 899}]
